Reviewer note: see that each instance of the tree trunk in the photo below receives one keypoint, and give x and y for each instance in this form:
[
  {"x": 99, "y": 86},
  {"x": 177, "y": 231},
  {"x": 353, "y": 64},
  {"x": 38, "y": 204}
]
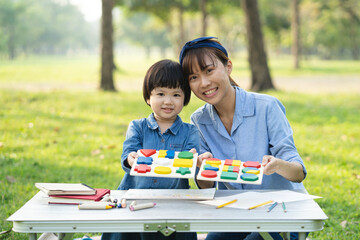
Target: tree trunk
[
  {"x": 204, "y": 16},
  {"x": 107, "y": 55},
  {"x": 181, "y": 27},
  {"x": 355, "y": 21},
  {"x": 260, "y": 74},
  {"x": 180, "y": 39},
  {"x": 295, "y": 29}
]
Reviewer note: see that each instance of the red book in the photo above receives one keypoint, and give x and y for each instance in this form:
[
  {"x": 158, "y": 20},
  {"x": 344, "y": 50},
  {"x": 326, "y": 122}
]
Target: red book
[{"x": 65, "y": 199}]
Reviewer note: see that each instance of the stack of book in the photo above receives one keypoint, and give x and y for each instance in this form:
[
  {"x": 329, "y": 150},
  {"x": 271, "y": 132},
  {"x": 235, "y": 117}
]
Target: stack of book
[{"x": 71, "y": 193}]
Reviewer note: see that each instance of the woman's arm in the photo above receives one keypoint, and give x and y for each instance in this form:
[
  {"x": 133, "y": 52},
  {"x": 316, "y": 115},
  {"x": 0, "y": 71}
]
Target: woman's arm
[{"x": 283, "y": 158}]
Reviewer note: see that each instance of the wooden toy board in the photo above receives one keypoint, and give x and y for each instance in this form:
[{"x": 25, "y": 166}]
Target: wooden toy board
[
  {"x": 175, "y": 166},
  {"x": 223, "y": 164}
]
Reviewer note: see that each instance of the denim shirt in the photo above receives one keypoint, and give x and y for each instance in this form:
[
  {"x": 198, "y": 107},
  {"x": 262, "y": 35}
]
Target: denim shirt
[
  {"x": 259, "y": 128},
  {"x": 145, "y": 134}
]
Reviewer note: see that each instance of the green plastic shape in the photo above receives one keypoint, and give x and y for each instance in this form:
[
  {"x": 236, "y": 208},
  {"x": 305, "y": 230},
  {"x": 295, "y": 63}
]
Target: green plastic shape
[
  {"x": 229, "y": 175},
  {"x": 249, "y": 177},
  {"x": 186, "y": 155},
  {"x": 183, "y": 170}
]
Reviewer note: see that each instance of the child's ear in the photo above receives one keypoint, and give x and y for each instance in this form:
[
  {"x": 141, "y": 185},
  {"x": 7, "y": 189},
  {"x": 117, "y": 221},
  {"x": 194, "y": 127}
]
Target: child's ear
[{"x": 148, "y": 101}]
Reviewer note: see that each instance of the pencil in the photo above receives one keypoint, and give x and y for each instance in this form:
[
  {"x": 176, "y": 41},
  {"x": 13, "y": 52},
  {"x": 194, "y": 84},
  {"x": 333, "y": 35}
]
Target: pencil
[
  {"x": 223, "y": 205},
  {"x": 94, "y": 206},
  {"x": 284, "y": 208},
  {"x": 261, "y": 204},
  {"x": 272, "y": 206},
  {"x": 142, "y": 206}
]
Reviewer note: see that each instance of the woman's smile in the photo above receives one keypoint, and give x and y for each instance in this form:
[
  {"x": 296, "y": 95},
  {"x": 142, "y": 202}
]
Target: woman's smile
[{"x": 211, "y": 92}]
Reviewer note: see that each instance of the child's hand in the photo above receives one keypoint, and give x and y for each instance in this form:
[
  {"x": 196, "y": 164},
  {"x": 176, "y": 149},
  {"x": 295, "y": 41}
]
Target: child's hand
[
  {"x": 131, "y": 158},
  {"x": 202, "y": 157},
  {"x": 270, "y": 164}
]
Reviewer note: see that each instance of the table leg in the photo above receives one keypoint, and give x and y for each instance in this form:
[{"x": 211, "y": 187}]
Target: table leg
[
  {"x": 302, "y": 235},
  {"x": 32, "y": 236}
]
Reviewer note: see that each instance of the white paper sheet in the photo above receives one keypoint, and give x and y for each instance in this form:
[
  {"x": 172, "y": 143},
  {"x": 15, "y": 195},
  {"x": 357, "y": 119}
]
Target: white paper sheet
[
  {"x": 248, "y": 199},
  {"x": 187, "y": 194}
]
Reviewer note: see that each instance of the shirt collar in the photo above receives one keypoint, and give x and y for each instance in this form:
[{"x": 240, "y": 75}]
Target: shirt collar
[
  {"x": 244, "y": 107},
  {"x": 152, "y": 124}
]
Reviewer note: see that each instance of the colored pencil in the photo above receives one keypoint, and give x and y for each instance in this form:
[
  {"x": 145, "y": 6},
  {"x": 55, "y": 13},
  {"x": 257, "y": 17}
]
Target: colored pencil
[
  {"x": 272, "y": 206},
  {"x": 283, "y": 205},
  {"x": 223, "y": 205},
  {"x": 261, "y": 204}
]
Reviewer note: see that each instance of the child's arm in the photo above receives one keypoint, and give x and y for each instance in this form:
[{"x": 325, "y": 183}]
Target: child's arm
[
  {"x": 132, "y": 143},
  {"x": 292, "y": 171}
]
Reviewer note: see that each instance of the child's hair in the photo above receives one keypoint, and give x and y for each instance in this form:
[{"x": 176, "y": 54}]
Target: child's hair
[
  {"x": 166, "y": 73},
  {"x": 197, "y": 55}
]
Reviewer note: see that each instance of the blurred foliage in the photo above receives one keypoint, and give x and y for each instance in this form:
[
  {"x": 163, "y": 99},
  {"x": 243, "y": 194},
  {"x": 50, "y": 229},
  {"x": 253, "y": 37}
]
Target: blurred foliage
[
  {"x": 43, "y": 27},
  {"x": 330, "y": 29}
]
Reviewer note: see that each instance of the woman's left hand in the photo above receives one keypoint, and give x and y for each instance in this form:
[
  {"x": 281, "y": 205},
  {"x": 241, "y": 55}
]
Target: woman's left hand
[
  {"x": 270, "y": 164},
  {"x": 292, "y": 171}
]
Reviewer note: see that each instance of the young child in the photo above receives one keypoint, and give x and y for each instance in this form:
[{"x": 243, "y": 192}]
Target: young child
[{"x": 166, "y": 91}]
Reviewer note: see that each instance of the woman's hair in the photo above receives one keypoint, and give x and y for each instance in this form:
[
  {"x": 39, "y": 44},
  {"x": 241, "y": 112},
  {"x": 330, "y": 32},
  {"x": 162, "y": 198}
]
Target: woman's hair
[
  {"x": 197, "y": 56},
  {"x": 166, "y": 73}
]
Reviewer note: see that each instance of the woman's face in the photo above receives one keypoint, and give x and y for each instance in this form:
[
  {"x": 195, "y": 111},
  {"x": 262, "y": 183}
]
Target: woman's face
[{"x": 211, "y": 84}]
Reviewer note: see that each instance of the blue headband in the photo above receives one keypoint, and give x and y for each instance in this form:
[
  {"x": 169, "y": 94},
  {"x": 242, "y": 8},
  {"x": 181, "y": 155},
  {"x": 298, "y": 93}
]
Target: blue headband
[{"x": 199, "y": 43}]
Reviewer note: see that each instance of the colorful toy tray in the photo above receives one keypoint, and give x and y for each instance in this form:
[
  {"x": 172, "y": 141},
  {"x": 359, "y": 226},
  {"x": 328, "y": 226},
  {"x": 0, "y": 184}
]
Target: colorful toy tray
[
  {"x": 164, "y": 163},
  {"x": 213, "y": 169}
]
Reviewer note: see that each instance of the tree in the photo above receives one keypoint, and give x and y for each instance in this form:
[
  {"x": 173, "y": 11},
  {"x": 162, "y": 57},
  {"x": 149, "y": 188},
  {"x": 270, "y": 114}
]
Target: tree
[
  {"x": 60, "y": 28},
  {"x": 203, "y": 17},
  {"x": 260, "y": 74},
  {"x": 350, "y": 9},
  {"x": 144, "y": 30},
  {"x": 166, "y": 10},
  {"x": 107, "y": 55},
  {"x": 295, "y": 29}
]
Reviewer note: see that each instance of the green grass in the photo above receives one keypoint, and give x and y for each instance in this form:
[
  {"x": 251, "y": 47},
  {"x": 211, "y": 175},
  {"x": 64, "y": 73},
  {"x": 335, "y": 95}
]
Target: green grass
[
  {"x": 57, "y": 72},
  {"x": 77, "y": 137}
]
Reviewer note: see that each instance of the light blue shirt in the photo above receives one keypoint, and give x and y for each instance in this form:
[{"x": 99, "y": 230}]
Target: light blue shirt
[
  {"x": 145, "y": 134},
  {"x": 259, "y": 128}
]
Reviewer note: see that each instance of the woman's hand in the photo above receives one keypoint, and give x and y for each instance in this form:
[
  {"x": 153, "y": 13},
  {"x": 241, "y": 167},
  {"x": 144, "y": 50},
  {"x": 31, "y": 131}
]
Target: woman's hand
[
  {"x": 202, "y": 157},
  {"x": 131, "y": 158},
  {"x": 292, "y": 171},
  {"x": 270, "y": 164}
]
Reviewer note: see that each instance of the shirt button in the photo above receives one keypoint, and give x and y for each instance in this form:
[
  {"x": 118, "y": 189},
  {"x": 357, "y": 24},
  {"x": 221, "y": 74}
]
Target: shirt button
[
  {"x": 162, "y": 140},
  {"x": 154, "y": 181}
]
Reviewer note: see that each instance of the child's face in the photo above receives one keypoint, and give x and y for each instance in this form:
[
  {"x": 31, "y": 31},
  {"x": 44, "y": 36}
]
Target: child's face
[{"x": 166, "y": 103}]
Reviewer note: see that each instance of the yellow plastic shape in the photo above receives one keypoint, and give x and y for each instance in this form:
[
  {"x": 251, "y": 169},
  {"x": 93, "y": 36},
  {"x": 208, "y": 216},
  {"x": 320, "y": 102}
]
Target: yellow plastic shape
[
  {"x": 183, "y": 163},
  {"x": 213, "y": 162},
  {"x": 253, "y": 171},
  {"x": 162, "y": 170},
  {"x": 225, "y": 168},
  {"x": 162, "y": 153},
  {"x": 236, "y": 163}
]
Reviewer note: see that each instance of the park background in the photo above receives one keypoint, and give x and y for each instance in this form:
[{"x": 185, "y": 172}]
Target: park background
[{"x": 58, "y": 125}]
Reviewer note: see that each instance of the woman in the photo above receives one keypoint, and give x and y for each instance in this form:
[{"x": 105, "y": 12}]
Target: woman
[{"x": 235, "y": 124}]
